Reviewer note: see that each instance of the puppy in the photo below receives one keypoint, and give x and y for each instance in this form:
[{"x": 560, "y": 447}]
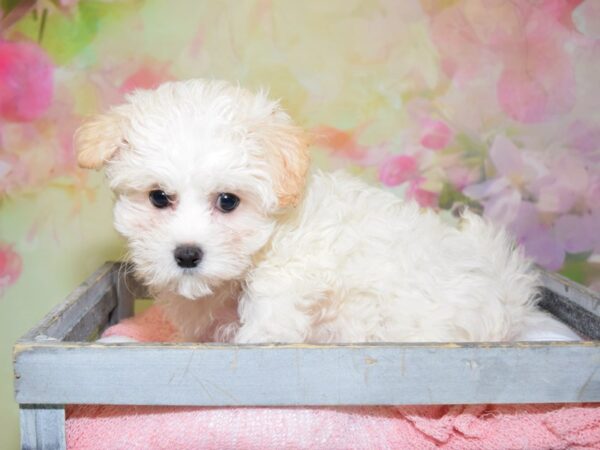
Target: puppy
[{"x": 239, "y": 243}]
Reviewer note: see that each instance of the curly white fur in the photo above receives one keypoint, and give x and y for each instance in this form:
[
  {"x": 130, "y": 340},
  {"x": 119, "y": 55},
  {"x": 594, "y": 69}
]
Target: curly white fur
[{"x": 335, "y": 261}]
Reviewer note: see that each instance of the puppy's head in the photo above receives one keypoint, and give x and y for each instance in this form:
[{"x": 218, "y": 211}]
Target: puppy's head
[{"x": 200, "y": 170}]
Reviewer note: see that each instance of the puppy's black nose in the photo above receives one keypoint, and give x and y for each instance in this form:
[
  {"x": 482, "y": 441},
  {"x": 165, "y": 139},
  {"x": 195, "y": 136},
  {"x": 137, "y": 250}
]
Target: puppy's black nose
[{"x": 188, "y": 256}]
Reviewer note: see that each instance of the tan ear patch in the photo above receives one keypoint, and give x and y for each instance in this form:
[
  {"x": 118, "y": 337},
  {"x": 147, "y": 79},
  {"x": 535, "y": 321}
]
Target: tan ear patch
[
  {"x": 98, "y": 139},
  {"x": 291, "y": 160}
]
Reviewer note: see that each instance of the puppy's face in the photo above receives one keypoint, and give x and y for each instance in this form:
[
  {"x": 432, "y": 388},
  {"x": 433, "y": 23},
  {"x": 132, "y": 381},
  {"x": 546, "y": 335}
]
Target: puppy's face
[{"x": 200, "y": 170}]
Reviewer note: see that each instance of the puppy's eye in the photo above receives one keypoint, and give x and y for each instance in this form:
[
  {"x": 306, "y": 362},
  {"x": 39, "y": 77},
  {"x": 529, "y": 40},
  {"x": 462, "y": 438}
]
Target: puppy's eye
[
  {"x": 160, "y": 199},
  {"x": 227, "y": 202}
]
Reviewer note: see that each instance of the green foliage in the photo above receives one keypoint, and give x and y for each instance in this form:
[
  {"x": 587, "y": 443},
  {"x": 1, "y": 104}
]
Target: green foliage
[
  {"x": 449, "y": 197},
  {"x": 7, "y": 6},
  {"x": 574, "y": 269},
  {"x": 67, "y": 34}
]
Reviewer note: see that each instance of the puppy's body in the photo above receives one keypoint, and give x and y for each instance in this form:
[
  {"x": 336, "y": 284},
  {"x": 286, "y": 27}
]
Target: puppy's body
[
  {"x": 354, "y": 263},
  {"x": 337, "y": 261}
]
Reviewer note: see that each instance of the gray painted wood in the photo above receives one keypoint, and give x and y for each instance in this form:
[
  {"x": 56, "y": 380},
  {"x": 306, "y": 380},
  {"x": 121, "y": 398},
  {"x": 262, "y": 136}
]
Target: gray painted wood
[
  {"x": 383, "y": 374},
  {"x": 572, "y": 303},
  {"x": 42, "y": 427},
  {"x": 50, "y": 372},
  {"x": 81, "y": 312},
  {"x": 575, "y": 316},
  {"x": 574, "y": 292},
  {"x": 138, "y": 289},
  {"x": 127, "y": 289},
  {"x": 93, "y": 320}
]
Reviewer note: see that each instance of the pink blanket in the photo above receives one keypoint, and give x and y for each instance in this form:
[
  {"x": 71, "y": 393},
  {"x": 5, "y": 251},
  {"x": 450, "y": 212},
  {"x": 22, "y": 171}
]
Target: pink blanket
[{"x": 574, "y": 426}]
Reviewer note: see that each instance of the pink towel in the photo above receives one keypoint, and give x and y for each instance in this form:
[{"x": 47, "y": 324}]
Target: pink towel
[{"x": 574, "y": 426}]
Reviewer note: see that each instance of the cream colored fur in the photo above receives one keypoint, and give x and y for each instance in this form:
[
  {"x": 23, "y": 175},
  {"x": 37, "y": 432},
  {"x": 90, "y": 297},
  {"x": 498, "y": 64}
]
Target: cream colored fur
[{"x": 335, "y": 261}]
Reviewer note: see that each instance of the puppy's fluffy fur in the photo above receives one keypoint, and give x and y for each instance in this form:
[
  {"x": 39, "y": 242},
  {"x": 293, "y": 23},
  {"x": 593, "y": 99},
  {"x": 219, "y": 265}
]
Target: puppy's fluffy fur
[{"x": 303, "y": 258}]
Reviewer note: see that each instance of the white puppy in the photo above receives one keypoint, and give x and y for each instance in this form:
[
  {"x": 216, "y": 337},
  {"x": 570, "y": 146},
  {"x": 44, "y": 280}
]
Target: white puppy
[{"x": 213, "y": 197}]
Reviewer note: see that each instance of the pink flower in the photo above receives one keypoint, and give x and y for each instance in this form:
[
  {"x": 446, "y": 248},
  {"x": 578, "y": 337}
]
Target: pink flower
[
  {"x": 538, "y": 80},
  {"x": 146, "y": 77},
  {"x": 425, "y": 198},
  {"x": 527, "y": 42},
  {"x": 435, "y": 134},
  {"x": 26, "y": 78},
  {"x": 10, "y": 266},
  {"x": 68, "y": 3},
  {"x": 534, "y": 95},
  {"x": 398, "y": 169},
  {"x": 462, "y": 51},
  {"x": 404, "y": 168}
]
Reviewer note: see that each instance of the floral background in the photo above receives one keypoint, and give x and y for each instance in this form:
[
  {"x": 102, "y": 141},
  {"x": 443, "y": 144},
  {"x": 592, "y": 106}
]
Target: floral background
[{"x": 482, "y": 103}]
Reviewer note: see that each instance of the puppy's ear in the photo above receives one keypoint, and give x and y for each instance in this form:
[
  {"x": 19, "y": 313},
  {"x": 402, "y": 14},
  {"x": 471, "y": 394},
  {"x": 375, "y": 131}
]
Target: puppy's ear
[
  {"x": 97, "y": 140},
  {"x": 287, "y": 147}
]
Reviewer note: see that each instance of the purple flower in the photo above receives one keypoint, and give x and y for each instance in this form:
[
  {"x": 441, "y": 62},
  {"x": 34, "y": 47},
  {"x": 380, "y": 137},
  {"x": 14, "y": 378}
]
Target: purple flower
[
  {"x": 501, "y": 196},
  {"x": 552, "y": 208},
  {"x": 537, "y": 237}
]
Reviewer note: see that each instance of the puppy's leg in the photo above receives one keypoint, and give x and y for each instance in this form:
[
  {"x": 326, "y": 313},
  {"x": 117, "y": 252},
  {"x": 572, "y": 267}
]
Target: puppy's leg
[
  {"x": 266, "y": 325},
  {"x": 273, "y": 315}
]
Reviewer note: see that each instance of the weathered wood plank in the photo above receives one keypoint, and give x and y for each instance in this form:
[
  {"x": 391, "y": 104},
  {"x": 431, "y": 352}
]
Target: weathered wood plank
[
  {"x": 187, "y": 374},
  {"x": 576, "y": 293},
  {"x": 43, "y": 427},
  {"x": 82, "y": 305},
  {"x": 575, "y": 316},
  {"x": 127, "y": 289},
  {"x": 93, "y": 320},
  {"x": 135, "y": 287},
  {"x": 571, "y": 303}
]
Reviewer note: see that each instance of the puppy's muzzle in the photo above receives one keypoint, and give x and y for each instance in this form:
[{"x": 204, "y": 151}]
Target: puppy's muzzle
[{"x": 188, "y": 256}]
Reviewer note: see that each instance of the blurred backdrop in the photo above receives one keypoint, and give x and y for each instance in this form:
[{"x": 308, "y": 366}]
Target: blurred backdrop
[{"x": 485, "y": 103}]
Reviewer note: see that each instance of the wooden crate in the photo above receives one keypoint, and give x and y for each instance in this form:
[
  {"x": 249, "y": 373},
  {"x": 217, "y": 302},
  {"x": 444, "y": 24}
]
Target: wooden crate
[{"x": 57, "y": 364}]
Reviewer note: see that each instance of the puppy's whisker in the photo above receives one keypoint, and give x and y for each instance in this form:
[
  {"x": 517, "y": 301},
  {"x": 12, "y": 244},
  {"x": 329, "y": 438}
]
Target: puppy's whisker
[{"x": 125, "y": 270}]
